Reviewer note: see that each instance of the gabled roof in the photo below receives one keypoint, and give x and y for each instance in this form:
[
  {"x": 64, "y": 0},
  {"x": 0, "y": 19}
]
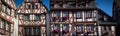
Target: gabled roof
[
  {"x": 19, "y": 7},
  {"x": 101, "y": 21}
]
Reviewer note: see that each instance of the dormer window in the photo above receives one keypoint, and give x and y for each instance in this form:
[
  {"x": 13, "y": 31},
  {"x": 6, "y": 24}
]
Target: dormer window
[
  {"x": 105, "y": 18},
  {"x": 82, "y": 4}
]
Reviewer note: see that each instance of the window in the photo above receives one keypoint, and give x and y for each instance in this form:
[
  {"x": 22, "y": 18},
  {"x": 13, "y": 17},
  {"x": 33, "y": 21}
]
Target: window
[
  {"x": 82, "y": 4},
  {"x": 55, "y": 17},
  {"x": 38, "y": 31},
  {"x": 34, "y": 31},
  {"x": 3, "y": 23},
  {"x": 28, "y": 31},
  {"x": 26, "y": 17},
  {"x": 109, "y": 27},
  {"x": 65, "y": 16},
  {"x": 104, "y": 28},
  {"x": 3, "y": 8},
  {"x": 38, "y": 17},
  {"x": 32, "y": 6},
  {"x": 72, "y": 4},
  {"x": 56, "y": 5},
  {"x": 89, "y": 14},
  {"x": 90, "y": 27},
  {"x": 66, "y": 27},
  {"x": 79, "y": 15},
  {"x": 36, "y": 6},
  {"x": 80, "y": 28},
  {"x": 56, "y": 28},
  {"x": 8, "y": 11},
  {"x": 65, "y": 5},
  {"x": 29, "y": 6},
  {"x": 7, "y": 26}
]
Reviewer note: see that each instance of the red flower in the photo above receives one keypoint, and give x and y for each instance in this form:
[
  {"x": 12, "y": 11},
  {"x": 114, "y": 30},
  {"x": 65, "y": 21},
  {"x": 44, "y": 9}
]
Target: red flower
[
  {"x": 65, "y": 31},
  {"x": 56, "y": 31}
]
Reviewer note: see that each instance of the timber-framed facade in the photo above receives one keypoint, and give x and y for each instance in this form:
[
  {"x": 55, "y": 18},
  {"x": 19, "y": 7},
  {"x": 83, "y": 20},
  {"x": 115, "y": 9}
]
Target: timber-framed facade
[{"x": 32, "y": 18}]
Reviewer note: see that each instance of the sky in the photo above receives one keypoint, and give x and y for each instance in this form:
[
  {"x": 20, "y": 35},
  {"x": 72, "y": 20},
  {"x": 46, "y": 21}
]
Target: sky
[{"x": 105, "y": 5}]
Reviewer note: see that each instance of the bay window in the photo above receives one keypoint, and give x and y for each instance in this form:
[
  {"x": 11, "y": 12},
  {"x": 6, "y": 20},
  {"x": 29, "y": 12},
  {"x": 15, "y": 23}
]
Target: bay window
[{"x": 65, "y": 16}]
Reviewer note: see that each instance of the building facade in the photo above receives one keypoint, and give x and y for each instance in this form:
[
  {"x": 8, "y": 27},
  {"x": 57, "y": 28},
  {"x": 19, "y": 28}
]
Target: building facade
[
  {"x": 7, "y": 10},
  {"x": 116, "y": 15},
  {"x": 32, "y": 18},
  {"x": 78, "y": 18}
]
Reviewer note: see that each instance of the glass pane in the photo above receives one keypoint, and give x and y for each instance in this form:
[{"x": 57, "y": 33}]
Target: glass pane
[
  {"x": 29, "y": 6},
  {"x": 32, "y": 6},
  {"x": 8, "y": 10},
  {"x": 65, "y": 16},
  {"x": 79, "y": 15},
  {"x": 38, "y": 31},
  {"x": 27, "y": 17},
  {"x": 34, "y": 30},
  {"x": 38, "y": 17},
  {"x": 3, "y": 8},
  {"x": 89, "y": 14}
]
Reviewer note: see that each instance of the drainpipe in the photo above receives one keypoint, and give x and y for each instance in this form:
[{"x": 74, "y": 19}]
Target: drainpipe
[{"x": 47, "y": 24}]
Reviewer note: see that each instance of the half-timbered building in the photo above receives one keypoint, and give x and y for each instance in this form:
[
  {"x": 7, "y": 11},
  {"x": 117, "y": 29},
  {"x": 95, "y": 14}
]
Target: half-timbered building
[
  {"x": 77, "y": 18},
  {"x": 31, "y": 18},
  {"x": 7, "y": 9}
]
